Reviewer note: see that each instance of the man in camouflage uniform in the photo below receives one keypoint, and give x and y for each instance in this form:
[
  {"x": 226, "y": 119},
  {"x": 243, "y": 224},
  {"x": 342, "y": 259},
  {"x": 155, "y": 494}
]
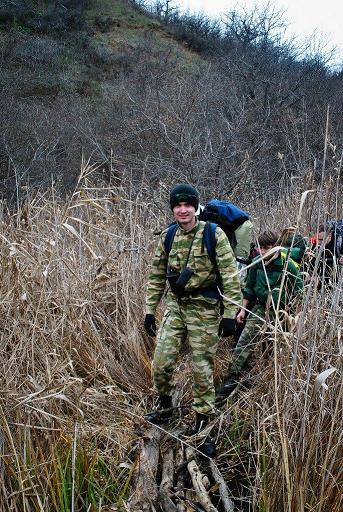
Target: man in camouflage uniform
[{"x": 194, "y": 310}]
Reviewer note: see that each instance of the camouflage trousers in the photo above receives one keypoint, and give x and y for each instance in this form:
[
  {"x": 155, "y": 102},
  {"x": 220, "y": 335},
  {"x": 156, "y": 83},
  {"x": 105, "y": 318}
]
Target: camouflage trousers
[
  {"x": 198, "y": 320},
  {"x": 249, "y": 338}
]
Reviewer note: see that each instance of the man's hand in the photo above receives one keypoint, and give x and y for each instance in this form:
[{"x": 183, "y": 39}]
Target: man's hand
[
  {"x": 150, "y": 324},
  {"x": 227, "y": 327},
  {"x": 240, "y": 318}
]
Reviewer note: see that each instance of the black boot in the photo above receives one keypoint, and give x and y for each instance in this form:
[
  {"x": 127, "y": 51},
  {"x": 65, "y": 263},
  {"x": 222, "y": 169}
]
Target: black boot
[
  {"x": 208, "y": 447},
  {"x": 229, "y": 384},
  {"x": 163, "y": 412},
  {"x": 201, "y": 421}
]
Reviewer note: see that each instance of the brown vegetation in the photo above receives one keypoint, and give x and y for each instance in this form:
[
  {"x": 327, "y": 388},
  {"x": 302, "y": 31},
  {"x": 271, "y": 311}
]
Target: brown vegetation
[
  {"x": 75, "y": 361},
  {"x": 237, "y": 114}
]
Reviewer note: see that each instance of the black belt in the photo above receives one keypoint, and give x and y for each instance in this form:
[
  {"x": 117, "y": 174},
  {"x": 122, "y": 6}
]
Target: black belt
[{"x": 210, "y": 292}]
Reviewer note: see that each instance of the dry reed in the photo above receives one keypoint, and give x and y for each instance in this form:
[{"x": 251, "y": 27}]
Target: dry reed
[{"x": 76, "y": 369}]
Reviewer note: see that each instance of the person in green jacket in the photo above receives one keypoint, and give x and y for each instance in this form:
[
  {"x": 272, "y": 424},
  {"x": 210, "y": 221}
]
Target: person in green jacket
[
  {"x": 264, "y": 292},
  {"x": 193, "y": 309}
]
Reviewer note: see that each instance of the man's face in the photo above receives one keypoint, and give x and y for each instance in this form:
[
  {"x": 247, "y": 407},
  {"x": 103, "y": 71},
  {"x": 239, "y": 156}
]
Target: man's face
[
  {"x": 324, "y": 237},
  {"x": 184, "y": 214}
]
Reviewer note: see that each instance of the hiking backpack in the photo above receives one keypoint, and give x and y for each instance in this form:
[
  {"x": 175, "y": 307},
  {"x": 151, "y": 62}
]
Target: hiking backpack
[
  {"x": 296, "y": 244},
  {"x": 226, "y": 215}
]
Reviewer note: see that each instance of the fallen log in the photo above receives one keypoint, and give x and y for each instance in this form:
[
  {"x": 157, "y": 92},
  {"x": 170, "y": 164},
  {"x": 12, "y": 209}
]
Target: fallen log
[
  {"x": 167, "y": 470},
  {"x": 167, "y": 482},
  {"x": 166, "y": 503},
  {"x": 146, "y": 491},
  {"x": 181, "y": 507},
  {"x": 180, "y": 479},
  {"x": 223, "y": 490},
  {"x": 197, "y": 476}
]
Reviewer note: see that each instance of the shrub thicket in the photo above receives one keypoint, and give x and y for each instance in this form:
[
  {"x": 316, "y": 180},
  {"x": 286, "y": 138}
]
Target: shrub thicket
[
  {"x": 45, "y": 16},
  {"x": 251, "y": 111}
]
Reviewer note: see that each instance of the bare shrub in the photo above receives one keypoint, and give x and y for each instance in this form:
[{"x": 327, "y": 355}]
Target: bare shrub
[{"x": 250, "y": 116}]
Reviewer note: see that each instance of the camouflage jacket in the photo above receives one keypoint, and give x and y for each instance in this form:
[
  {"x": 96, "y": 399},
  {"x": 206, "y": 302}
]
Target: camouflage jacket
[{"x": 204, "y": 274}]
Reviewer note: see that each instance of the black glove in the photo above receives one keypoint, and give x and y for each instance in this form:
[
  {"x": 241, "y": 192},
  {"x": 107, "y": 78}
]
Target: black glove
[
  {"x": 150, "y": 324},
  {"x": 227, "y": 327}
]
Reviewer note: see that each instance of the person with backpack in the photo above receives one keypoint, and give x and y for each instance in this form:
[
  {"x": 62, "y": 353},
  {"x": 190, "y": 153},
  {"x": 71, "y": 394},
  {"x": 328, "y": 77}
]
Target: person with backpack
[
  {"x": 263, "y": 291},
  {"x": 237, "y": 226},
  {"x": 193, "y": 305},
  {"x": 294, "y": 245},
  {"x": 327, "y": 245}
]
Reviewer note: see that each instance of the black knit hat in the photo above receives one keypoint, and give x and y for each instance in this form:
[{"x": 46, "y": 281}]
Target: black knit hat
[{"x": 184, "y": 193}]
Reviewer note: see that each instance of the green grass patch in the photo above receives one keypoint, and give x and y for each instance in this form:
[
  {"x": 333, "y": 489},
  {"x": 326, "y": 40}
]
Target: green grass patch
[
  {"x": 66, "y": 475},
  {"x": 237, "y": 436},
  {"x": 264, "y": 465},
  {"x": 87, "y": 480},
  {"x": 21, "y": 27}
]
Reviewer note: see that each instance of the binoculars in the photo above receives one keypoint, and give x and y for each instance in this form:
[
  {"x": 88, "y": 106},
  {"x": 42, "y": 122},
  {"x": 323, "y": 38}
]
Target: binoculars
[{"x": 178, "y": 280}]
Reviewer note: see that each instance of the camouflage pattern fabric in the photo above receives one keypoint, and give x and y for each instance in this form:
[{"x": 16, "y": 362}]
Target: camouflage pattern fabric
[
  {"x": 249, "y": 338},
  {"x": 200, "y": 322},
  {"x": 204, "y": 273},
  {"x": 192, "y": 315}
]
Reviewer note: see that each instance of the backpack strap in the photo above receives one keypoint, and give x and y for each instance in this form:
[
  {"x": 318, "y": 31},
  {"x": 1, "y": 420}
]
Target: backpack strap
[
  {"x": 337, "y": 230},
  {"x": 209, "y": 241},
  {"x": 285, "y": 254},
  {"x": 339, "y": 246},
  {"x": 169, "y": 238}
]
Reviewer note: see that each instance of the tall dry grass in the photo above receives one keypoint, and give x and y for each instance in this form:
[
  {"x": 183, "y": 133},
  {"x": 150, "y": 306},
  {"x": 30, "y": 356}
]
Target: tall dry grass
[
  {"x": 75, "y": 368},
  {"x": 290, "y": 420},
  {"x": 75, "y": 376}
]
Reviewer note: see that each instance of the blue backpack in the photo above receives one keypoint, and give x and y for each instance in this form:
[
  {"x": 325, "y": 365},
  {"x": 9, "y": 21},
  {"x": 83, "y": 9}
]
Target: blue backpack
[{"x": 215, "y": 213}]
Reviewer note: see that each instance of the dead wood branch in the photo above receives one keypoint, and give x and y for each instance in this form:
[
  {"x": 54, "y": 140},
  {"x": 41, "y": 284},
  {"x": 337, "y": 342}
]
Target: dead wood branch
[
  {"x": 197, "y": 476},
  {"x": 166, "y": 502},
  {"x": 223, "y": 490},
  {"x": 146, "y": 488},
  {"x": 181, "y": 466},
  {"x": 167, "y": 470},
  {"x": 167, "y": 482}
]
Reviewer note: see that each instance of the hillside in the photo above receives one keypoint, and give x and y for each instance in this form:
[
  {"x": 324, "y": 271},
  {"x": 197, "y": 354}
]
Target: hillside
[
  {"x": 70, "y": 78},
  {"x": 148, "y": 98}
]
